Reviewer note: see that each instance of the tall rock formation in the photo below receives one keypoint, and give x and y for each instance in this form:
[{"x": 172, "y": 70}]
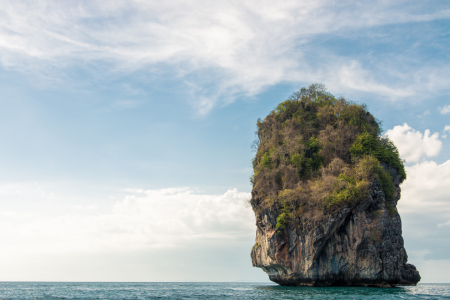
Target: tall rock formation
[{"x": 325, "y": 191}]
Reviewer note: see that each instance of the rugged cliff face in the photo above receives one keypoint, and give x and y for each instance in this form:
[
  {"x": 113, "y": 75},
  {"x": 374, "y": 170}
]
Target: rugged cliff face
[{"x": 335, "y": 223}]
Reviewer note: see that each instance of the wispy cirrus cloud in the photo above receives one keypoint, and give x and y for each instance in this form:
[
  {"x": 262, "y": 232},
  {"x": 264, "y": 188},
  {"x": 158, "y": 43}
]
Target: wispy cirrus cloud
[{"x": 238, "y": 47}]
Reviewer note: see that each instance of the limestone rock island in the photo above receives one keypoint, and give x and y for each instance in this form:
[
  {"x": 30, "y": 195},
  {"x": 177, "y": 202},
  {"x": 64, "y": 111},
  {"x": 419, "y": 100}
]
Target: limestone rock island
[{"x": 325, "y": 191}]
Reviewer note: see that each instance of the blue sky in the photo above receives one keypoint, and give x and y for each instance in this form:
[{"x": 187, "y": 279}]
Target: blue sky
[{"x": 126, "y": 126}]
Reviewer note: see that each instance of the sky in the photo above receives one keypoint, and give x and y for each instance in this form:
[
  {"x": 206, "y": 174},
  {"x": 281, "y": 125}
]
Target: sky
[{"x": 126, "y": 126}]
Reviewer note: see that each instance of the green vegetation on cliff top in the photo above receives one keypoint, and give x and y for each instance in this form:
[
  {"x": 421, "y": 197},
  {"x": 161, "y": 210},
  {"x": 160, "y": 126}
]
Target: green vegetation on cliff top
[{"x": 315, "y": 150}]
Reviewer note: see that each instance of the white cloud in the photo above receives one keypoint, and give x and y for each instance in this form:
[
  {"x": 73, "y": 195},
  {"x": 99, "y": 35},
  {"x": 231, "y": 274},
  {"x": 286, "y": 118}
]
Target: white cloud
[
  {"x": 445, "y": 109},
  {"x": 412, "y": 144},
  {"x": 446, "y": 129},
  {"x": 426, "y": 189},
  {"x": 425, "y": 211},
  {"x": 174, "y": 217},
  {"x": 124, "y": 234},
  {"x": 243, "y": 45}
]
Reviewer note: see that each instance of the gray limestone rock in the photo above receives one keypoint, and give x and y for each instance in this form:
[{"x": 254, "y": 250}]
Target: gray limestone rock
[{"x": 359, "y": 245}]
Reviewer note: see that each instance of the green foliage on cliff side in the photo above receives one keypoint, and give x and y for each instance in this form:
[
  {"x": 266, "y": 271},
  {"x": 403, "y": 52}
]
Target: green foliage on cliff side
[
  {"x": 382, "y": 148},
  {"x": 315, "y": 150}
]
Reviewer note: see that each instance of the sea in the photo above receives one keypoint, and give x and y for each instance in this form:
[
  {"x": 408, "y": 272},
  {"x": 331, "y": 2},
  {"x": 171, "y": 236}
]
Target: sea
[{"x": 228, "y": 290}]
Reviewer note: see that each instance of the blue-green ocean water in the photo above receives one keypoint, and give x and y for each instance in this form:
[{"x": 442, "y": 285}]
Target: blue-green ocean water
[{"x": 102, "y": 290}]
